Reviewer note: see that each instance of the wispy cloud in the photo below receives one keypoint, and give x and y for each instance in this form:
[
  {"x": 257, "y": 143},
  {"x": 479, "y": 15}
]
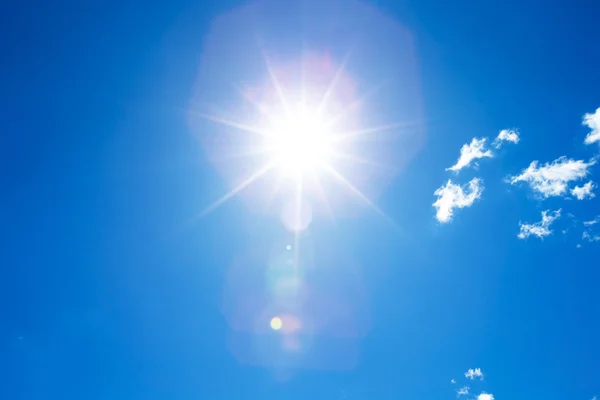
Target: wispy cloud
[
  {"x": 588, "y": 234},
  {"x": 463, "y": 391},
  {"x": 469, "y": 153},
  {"x": 506, "y": 135},
  {"x": 590, "y": 238},
  {"x": 552, "y": 179},
  {"x": 585, "y": 191},
  {"x": 452, "y": 196},
  {"x": 474, "y": 373},
  {"x": 485, "y": 396},
  {"x": 453, "y": 381},
  {"x": 592, "y": 121},
  {"x": 541, "y": 228},
  {"x": 592, "y": 222}
]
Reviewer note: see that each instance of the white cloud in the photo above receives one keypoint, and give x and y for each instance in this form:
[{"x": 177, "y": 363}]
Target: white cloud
[
  {"x": 590, "y": 238},
  {"x": 474, "y": 373},
  {"x": 539, "y": 229},
  {"x": 485, "y": 396},
  {"x": 453, "y": 381},
  {"x": 469, "y": 153},
  {"x": 551, "y": 179},
  {"x": 594, "y": 398},
  {"x": 463, "y": 391},
  {"x": 506, "y": 135},
  {"x": 592, "y": 121},
  {"x": 592, "y": 222},
  {"x": 585, "y": 191},
  {"x": 453, "y": 196}
]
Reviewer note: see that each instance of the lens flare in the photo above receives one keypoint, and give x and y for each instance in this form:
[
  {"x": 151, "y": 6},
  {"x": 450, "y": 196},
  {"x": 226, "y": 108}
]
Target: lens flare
[
  {"x": 276, "y": 323},
  {"x": 302, "y": 138}
]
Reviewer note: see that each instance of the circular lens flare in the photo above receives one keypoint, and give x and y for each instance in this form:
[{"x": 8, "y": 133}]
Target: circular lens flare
[
  {"x": 276, "y": 323},
  {"x": 296, "y": 215}
]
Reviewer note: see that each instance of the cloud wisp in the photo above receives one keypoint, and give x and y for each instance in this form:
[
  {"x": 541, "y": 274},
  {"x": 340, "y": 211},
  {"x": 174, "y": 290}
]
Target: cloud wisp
[
  {"x": 539, "y": 229},
  {"x": 592, "y": 222},
  {"x": 470, "y": 153},
  {"x": 592, "y": 121},
  {"x": 474, "y": 373},
  {"x": 463, "y": 391},
  {"x": 590, "y": 237},
  {"x": 584, "y": 192},
  {"x": 552, "y": 179},
  {"x": 452, "y": 196},
  {"x": 506, "y": 135},
  {"x": 588, "y": 234}
]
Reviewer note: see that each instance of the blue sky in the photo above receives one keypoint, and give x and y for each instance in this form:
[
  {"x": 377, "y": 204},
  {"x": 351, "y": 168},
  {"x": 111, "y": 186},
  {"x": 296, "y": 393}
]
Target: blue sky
[{"x": 116, "y": 282}]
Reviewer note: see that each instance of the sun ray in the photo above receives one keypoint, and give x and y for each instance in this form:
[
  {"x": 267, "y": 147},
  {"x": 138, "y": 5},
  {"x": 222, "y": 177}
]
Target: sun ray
[
  {"x": 336, "y": 118},
  {"x": 352, "y": 135},
  {"x": 303, "y": 75},
  {"x": 269, "y": 197},
  {"x": 248, "y": 181},
  {"x": 322, "y": 194},
  {"x": 254, "y": 103},
  {"x": 356, "y": 191},
  {"x": 332, "y": 85},
  {"x": 232, "y": 124},
  {"x": 298, "y": 221},
  {"x": 276, "y": 85},
  {"x": 252, "y": 152},
  {"x": 359, "y": 160}
]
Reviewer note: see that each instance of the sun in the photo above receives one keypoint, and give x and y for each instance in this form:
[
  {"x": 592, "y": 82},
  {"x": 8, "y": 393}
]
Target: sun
[
  {"x": 303, "y": 136},
  {"x": 301, "y": 141}
]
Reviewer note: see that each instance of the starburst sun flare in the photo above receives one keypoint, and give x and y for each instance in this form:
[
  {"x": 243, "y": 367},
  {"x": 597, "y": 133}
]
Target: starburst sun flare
[{"x": 304, "y": 135}]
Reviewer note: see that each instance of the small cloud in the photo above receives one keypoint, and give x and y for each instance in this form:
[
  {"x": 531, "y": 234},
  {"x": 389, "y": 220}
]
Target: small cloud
[
  {"x": 469, "y": 153},
  {"x": 592, "y": 121},
  {"x": 551, "y": 179},
  {"x": 453, "y": 381},
  {"x": 590, "y": 238},
  {"x": 578, "y": 246},
  {"x": 474, "y": 373},
  {"x": 463, "y": 391},
  {"x": 485, "y": 396},
  {"x": 588, "y": 234},
  {"x": 506, "y": 135},
  {"x": 453, "y": 196},
  {"x": 594, "y": 398},
  {"x": 585, "y": 191},
  {"x": 539, "y": 229}
]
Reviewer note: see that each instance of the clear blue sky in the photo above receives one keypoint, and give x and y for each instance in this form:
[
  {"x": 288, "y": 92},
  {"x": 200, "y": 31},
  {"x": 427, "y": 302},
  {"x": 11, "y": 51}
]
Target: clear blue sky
[{"x": 110, "y": 288}]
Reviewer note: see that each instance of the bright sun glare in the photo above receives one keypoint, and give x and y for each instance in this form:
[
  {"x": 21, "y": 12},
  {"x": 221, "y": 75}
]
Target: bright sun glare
[
  {"x": 303, "y": 138},
  {"x": 301, "y": 141}
]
